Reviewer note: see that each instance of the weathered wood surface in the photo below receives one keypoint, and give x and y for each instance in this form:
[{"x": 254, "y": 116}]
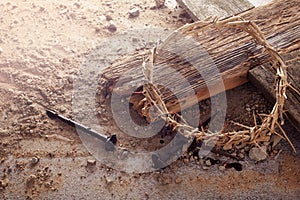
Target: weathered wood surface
[
  {"x": 263, "y": 78},
  {"x": 233, "y": 52},
  {"x": 202, "y": 9}
]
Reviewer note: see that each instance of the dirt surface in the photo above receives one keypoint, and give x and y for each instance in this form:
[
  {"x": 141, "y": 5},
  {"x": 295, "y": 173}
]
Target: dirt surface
[{"x": 43, "y": 45}]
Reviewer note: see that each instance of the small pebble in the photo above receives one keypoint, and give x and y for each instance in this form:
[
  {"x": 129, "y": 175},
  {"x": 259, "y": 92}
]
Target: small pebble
[
  {"x": 132, "y": 143},
  {"x": 108, "y": 17},
  {"x": 159, "y": 3},
  {"x": 178, "y": 180},
  {"x": 42, "y": 9},
  {"x": 171, "y": 4},
  {"x": 4, "y": 183},
  {"x": 1, "y": 50},
  {"x": 112, "y": 27},
  {"x": 205, "y": 167},
  {"x": 124, "y": 155},
  {"x": 241, "y": 155},
  {"x": 29, "y": 102},
  {"x": 222, "y": 168},
  {"x": 258, "y": 154},
  {"x": 247, "y": 148},
  {"x": 208, "y": 163},
  {"x": 77, "y": 5},
  {"x": 166, "y": 180},
  {"x": 105, "y": 119},
  {"x": 62, "y": 109},
  {"x": 201, "y": 161},
  {"x": 102, "y": 18},
  {"x": 34, "y": 160},
  {"x": 91, "y": 162},
  {"x": 47, "y": 184},
  {"x": 97, "y": 30},
  {"x": 108, "y": 181},
  {"x": 31, "y": 180},
  {"x": 134, "y": 12}
]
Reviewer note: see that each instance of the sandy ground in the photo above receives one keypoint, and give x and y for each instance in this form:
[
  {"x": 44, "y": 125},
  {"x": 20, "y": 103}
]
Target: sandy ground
[{"x": 43, "y": 44}]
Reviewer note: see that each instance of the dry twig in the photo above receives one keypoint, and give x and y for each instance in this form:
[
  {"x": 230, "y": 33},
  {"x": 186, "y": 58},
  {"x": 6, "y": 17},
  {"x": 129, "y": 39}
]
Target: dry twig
[{"x": 227, "y": 140}]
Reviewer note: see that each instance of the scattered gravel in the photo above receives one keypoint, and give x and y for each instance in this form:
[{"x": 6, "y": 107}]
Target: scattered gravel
[{"x": 39, "y": 73}]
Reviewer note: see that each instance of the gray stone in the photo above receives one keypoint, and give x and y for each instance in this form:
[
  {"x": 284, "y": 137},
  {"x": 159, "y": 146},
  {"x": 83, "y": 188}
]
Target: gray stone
[
  {"x": 134, "y": 12},
  {"x": 258, "y": 154}
]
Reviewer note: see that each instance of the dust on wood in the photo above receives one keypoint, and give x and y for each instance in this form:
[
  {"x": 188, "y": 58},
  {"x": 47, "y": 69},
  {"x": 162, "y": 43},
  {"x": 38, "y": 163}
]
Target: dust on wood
[
  {"x": 201, "y": 9},
  {"x": 232, "y": 51},
  {"x": 258, "y": 135},
  {"x": 235, "y": 45}
]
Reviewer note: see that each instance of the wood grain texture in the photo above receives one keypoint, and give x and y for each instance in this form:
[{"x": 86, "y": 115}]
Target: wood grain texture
[
  {"x": 186, "y": 58},
  {"x": 202, "y": 9}
]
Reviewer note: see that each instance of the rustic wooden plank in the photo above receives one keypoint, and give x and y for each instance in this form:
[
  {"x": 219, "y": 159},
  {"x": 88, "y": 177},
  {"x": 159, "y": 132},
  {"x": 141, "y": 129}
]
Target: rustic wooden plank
[
  {"x": 233, "y": 52},
  {"x": 263, "y": 79},
  {"x": 202, "y": 9}
]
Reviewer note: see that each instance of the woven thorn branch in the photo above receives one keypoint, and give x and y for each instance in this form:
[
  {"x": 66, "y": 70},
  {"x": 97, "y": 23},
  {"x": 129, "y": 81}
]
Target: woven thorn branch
[{"x": 255, "y": 135}]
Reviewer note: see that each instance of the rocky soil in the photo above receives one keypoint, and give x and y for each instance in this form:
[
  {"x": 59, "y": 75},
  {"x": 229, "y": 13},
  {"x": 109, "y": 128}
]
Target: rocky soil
[{"x": 43, "y": 45}]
